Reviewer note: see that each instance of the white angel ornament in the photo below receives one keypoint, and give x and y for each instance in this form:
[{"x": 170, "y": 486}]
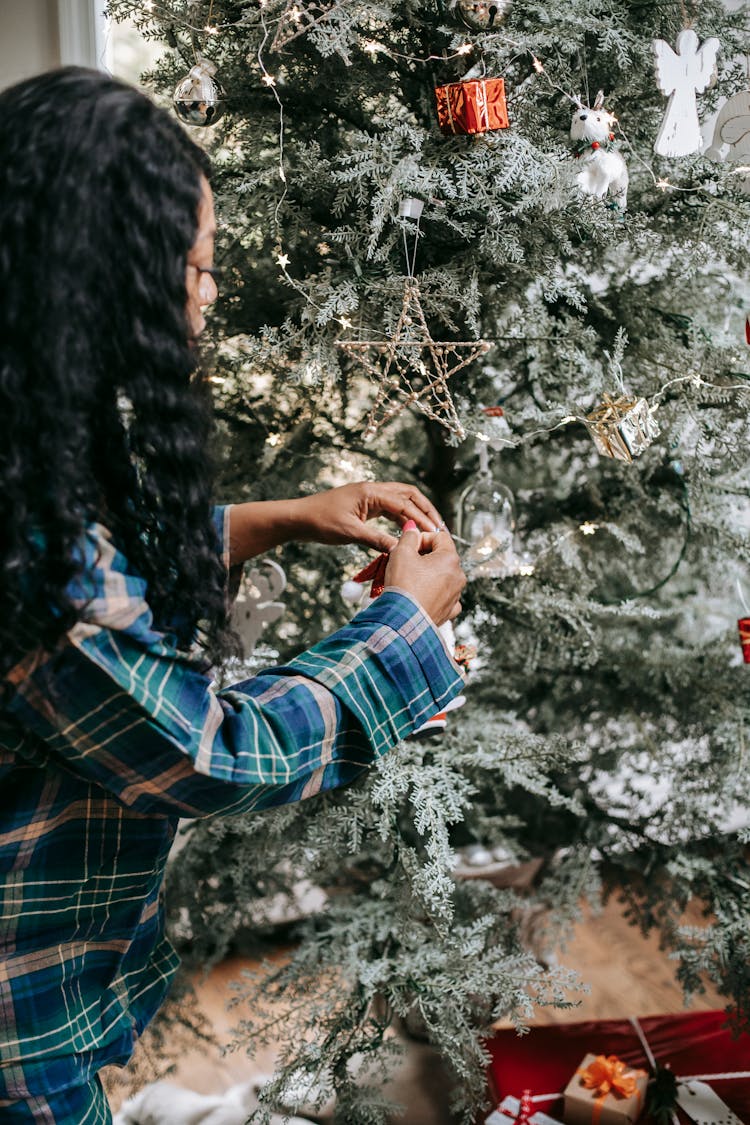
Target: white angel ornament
[{"x": 681, "y": 76}]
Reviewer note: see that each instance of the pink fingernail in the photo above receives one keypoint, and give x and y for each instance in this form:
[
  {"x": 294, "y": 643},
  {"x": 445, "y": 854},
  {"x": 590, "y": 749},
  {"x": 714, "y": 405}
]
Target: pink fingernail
[{"x": 410, "y": 525}]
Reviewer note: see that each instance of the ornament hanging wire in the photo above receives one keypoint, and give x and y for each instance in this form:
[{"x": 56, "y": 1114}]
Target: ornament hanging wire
[
  {"x": 411, "y": 260},
  {"x": 741, "y": 593}
]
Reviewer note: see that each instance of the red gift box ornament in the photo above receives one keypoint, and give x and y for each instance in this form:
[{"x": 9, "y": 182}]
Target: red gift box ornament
[
  {"x": 744, "y": 627},
  {"x": 476, "y": 105}
]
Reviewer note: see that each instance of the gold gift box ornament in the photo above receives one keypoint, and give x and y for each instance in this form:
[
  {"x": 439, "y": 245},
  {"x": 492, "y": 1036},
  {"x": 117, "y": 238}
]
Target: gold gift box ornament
[
  {"x": 604, "y": 1091},
  {"x": 622, "y": 427}
]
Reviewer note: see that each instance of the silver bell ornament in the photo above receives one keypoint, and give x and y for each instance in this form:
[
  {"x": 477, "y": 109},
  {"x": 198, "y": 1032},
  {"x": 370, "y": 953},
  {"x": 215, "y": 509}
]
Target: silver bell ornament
[
  {"x": 198, "y": 97},
  {"x": 487, "y": 526},
  {"x": 481, "y": 15}
]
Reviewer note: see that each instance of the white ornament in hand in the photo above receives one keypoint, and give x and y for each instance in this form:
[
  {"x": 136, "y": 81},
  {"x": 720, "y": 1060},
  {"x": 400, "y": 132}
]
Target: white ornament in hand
[{"x": 681, "y": 76}]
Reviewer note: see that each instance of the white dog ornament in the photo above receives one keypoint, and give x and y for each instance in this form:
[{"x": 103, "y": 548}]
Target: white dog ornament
[{"x": 603, "y": 169}]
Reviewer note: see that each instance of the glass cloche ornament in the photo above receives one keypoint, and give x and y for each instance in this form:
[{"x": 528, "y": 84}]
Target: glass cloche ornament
[
  {"x": 198, "y": 97},
  {"x": 487, "y": 525}
]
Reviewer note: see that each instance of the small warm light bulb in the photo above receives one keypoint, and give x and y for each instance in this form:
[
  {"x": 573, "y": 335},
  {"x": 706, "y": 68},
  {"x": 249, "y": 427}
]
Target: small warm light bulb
[
  {"x": 526, "y": 569},
  {"x": 537, "y": 63},
  {"x": 345, "y": 322},
  {"x": 269, "y": 80},
  {"x": 211, "y": 30},
  {"x": 372, "y": 47},
  {"x": 465, "y": 49},
  {"x": 568, "y": 418},
  {"x": 588, "y": 528},
  {"x": 346, "y": 464},
  {"x": 663, "y": 184},
  {"x": 273, "y": 439},
  {"x": 295, "y": 15},
  {"x": 282, "y": 260}
]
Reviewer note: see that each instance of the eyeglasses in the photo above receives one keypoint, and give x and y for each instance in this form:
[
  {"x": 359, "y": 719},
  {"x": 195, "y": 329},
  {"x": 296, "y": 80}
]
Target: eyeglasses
[{"x": 216, "y": 272}]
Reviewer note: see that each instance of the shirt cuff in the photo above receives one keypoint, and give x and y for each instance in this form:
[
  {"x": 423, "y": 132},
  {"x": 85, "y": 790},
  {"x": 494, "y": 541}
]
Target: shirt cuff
[
  {"x": 403, "y": 613},
  {"x": 221, "y": 527}
]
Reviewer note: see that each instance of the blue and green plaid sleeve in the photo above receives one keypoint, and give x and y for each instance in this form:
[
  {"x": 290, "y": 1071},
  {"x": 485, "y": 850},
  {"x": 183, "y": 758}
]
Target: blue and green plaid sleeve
[
  {"x": 122, "y": 707},
  {"x": 221, "y": 527}
]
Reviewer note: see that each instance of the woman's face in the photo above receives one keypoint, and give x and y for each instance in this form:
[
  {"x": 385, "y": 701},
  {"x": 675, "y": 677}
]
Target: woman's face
[{"x": 201, "y": 287}]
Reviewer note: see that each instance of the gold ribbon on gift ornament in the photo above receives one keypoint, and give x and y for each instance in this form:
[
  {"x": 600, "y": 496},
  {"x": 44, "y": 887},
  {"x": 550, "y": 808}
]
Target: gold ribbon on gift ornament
[{"x": 611, "y": 409}]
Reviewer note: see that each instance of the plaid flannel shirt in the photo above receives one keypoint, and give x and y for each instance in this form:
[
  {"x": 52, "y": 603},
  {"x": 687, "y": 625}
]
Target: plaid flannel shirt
[{"x": 106, "y": 744}]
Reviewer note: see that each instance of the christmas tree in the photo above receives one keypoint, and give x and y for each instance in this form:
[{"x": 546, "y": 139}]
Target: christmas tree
[{"x": 385, "y": 283}]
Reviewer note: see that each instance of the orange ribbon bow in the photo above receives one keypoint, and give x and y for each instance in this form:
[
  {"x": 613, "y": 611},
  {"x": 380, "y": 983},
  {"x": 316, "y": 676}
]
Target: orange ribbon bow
[{"x": 609, "y": 1075}]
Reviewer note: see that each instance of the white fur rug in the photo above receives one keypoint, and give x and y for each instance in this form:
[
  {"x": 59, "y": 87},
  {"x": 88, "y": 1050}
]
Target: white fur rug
[{"x": 163, "y": 1103}]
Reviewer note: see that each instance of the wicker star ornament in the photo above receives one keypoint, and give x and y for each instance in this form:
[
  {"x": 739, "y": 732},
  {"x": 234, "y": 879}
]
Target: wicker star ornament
[
  {"x": 297, "y": 19},
  {"x": 412, "y": 368}
]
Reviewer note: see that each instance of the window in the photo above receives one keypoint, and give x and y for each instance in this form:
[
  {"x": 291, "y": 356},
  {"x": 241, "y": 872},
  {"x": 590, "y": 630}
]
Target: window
[{"x": 83, "y": 33}]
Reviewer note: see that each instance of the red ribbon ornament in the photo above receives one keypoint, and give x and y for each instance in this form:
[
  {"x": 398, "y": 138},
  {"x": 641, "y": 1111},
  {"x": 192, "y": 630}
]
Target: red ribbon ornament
[{"x": 374, "y": 572}]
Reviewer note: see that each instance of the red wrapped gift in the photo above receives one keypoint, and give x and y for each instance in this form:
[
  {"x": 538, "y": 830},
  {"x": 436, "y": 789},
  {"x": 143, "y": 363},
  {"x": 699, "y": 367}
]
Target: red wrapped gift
[
  {"x": 744, "y": 627},
  {"x": 475, "y": 106},
  {"x": 694, "y": 1045}
]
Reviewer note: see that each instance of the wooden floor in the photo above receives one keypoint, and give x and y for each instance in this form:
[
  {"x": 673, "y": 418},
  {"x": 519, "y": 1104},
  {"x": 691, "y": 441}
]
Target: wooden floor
[{"x": 628, "y": 975}]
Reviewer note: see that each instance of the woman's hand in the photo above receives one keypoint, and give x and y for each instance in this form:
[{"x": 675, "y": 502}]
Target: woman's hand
[
  {"x": 341, "y": 515},
  {"x": 338, "y": 516},
  {"x": 428, "y": 568}
]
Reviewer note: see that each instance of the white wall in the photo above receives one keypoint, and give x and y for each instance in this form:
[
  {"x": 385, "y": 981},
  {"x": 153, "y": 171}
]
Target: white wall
[
  {"x": 29, "y": 38},
  {"x": 36, "y": 35}
]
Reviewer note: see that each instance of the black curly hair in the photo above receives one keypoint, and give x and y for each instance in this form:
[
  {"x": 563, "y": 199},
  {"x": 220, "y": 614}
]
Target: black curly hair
[{"x": 103, "y": 414}]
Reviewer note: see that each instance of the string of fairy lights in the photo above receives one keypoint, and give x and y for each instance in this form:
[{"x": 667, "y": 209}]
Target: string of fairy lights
[{"x": 375, "y": 49}]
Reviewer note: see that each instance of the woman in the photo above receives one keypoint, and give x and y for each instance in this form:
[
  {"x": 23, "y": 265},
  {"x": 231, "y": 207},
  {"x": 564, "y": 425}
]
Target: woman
[{"x": 112, "y": 558}]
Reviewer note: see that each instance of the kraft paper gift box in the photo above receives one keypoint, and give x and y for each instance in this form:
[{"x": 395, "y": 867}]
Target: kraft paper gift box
[{"x": 605, "y": 1091}]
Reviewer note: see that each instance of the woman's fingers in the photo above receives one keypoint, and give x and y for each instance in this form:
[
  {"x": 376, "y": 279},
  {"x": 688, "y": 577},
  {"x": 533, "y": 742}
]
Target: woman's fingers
[
  {"x": 423, "y": 505},
  {"x": 372, "y": 537},
  {"x": 405, "y": 502},
  {"x": 409, "y": 510}
]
